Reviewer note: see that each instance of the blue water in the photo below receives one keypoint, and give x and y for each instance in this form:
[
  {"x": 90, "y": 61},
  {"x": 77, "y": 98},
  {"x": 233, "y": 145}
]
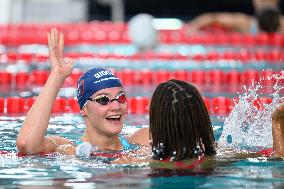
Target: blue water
[{"x": 57, "y": 171}]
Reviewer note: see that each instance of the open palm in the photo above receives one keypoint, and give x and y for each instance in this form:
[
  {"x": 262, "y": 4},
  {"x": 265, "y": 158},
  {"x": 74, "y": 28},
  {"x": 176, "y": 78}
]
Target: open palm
[{"x": 59, "y": 65}]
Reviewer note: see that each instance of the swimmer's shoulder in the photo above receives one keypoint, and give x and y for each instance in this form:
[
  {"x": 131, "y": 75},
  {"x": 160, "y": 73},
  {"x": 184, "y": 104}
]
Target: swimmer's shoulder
[{"x": 140, "y": 137}]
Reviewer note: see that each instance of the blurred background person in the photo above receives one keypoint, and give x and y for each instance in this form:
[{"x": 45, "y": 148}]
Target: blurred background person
[{"x": 267, "y": 18}]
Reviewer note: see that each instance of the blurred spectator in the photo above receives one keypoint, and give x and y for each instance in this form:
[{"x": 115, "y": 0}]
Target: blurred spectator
[{"x": 267, "y": 18}]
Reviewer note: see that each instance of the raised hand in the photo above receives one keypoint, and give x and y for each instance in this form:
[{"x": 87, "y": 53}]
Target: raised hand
[
  {"x": 31, "y": 138},
  {"x": 59, "y": 65}
]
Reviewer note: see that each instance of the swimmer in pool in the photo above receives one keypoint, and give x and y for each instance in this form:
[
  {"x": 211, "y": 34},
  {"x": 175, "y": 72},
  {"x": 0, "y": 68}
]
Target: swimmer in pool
[
  {"x": 180, "y": 125},
  {"x": 180, "y": 128},
  {"x": 267, "y": 18},
  {"x": 102, "y": 101}
]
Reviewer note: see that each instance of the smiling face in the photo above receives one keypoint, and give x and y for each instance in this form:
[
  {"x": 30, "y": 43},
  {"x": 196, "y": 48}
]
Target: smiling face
[{"x": 107, "y": 119}]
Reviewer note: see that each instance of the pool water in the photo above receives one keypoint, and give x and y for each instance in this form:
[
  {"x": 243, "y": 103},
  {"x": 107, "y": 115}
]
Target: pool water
[{"x": 60, "y": 171}]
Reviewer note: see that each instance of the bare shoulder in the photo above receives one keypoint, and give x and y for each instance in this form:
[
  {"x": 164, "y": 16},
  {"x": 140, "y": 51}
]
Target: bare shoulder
[{"x": 140, "y": 137}]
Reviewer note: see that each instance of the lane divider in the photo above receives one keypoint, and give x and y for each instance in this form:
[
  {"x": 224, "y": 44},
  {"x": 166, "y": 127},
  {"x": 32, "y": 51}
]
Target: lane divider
[
  {"x": 219, "y": 105},
  {"x": 149, "y": 77},
  {"x": 108, "y": 32},
  {"x": 271, "y": 56}
]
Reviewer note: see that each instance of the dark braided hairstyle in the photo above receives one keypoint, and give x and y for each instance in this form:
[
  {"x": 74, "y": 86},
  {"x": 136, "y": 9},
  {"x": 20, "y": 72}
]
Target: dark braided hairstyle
[{"x": 180, "y": 125}]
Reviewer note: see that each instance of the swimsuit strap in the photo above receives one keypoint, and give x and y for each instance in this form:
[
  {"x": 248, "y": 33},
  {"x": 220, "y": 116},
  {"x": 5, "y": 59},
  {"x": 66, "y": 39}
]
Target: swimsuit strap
[
  {"x": 78, "y": 142},
  {"x": 125, "y": 144}
]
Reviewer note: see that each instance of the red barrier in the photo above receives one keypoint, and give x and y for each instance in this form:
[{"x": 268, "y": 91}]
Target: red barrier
[
  {"x": 21, "y": 78},
  {"x": 128, "y": 77},
  {"x": 73, "y": 105},
  {"x": 148, "y": 77},
  {"x": 27, "y": 57},
  {"x": 181, "y": 75},
  {"x": 259, "y": 103},
  {"x": 213, "y": 56},
  {"x": 1, "y": 105},
  {"x": 139, "y": 105},
  {"x": 207, "y": 102},
  {"x": 233, "y": 77},
  {"x": 39, "y": 77},
  {"x": 198, "y": 77},
  {"x": 11, "y": 57},
  {"x": 145, "y": 77},
  {"x": 266, "y": 77},
  {"x": 5, "y": 78},
  {"x": 15, "y": 105},
  {"x": 102, "y": 32},
  {"x": 262, "y": 39},
  {"x": 41, "y": 58},
  {"x": 220, "y": 105},
  {"x": 274, "y": 56},
  {"x": 249, "y": 76},
  {"x": 216, "y": 77},
  {"x": 271, "y": 56},
  {"x": 161, "y": 76},
  {"x": 59, "y": 105},
  {"x": 29, "y": 103}
]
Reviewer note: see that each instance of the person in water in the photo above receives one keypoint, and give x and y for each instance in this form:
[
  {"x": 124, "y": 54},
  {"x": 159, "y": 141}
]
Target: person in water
[
  {"x": 102, "y": 101},
  {"x": 180, "y": 126},
  {"x": 180, "y": 129},
  {"x": 267, "y": 18}
]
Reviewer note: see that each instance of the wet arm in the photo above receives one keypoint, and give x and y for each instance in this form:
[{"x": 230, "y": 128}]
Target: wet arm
[
  {"x": 141, "y": 137},
  {"x": 278, "y": 131},
  {"x": 234, "y": 21},
  {"x": 31, "y": 137}
]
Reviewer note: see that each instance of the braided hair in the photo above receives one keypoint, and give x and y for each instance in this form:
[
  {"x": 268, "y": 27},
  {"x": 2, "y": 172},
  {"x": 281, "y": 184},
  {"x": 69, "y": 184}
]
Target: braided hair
[{"x": 180, "y": 125}]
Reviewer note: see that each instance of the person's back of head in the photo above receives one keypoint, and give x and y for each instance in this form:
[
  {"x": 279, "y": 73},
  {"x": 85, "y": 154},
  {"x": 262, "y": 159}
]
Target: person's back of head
[
  {"x": 268, "y": 19},
  {"x": 180, "y": 125}
]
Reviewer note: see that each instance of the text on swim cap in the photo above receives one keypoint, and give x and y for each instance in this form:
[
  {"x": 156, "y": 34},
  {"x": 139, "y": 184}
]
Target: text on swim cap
[{"x": 102, "y": 73}]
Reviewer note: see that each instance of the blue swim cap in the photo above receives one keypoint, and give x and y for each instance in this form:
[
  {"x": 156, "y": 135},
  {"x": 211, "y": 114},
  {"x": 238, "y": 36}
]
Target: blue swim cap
[{"x": 94, "y": 80}]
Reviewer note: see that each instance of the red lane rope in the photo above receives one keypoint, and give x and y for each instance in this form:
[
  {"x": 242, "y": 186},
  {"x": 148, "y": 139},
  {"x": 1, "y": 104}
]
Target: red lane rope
[{"x": 218, "y": 105}]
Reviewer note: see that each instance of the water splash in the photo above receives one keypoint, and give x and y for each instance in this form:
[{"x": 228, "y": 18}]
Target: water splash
[{"x": 249, "y": 124}]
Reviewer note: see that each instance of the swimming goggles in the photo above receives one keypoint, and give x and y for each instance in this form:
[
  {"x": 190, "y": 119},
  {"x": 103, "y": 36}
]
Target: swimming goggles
[{"x": 105, "y": 100}]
